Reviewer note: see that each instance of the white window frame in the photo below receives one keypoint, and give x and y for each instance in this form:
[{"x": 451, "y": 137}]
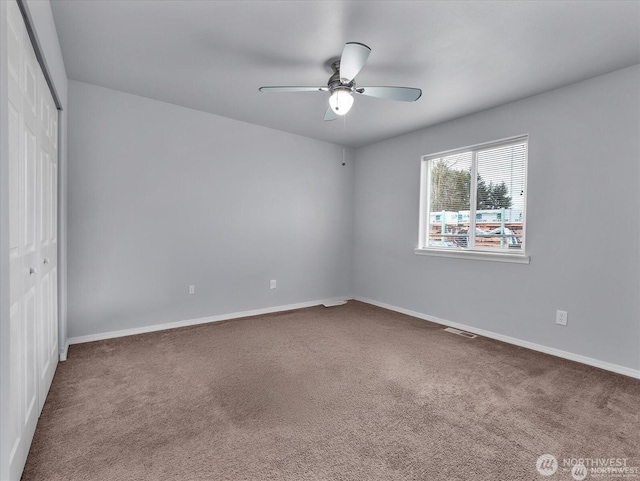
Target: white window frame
[{"x": 470, "y": 252}]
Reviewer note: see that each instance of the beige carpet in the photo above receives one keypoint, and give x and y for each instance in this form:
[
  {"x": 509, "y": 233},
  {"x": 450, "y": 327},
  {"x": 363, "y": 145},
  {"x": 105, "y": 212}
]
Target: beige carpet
[{"x": 344, "y": 393}]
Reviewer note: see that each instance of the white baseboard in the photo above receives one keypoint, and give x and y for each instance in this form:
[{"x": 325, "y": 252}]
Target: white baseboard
[
  {"x": 193, "y": 322},
  {"x": 635, "y": 373},
  {"x": 63, "y": 353}
]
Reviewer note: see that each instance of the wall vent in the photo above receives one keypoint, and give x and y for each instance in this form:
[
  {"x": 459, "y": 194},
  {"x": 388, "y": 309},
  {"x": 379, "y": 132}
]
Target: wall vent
[{"x": 461, "y": 333}]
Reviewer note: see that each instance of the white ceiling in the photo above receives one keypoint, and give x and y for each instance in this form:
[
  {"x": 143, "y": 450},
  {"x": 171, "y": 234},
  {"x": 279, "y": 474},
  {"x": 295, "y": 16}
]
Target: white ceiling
[{"x": 466, "y": 56}]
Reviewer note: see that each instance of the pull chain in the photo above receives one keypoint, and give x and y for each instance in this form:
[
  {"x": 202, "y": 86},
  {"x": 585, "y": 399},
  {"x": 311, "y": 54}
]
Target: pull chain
[{"x": 344, "y": 131}]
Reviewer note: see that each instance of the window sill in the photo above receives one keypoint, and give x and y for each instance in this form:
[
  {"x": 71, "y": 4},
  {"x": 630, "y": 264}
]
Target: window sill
[{"x": 475, "y": 255}]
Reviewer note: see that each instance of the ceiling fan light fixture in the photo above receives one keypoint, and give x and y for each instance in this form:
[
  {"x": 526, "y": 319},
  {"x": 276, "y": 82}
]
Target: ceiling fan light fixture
[
  {"x": 342, "y": 86},
  {"x": 341, "y": 101}
]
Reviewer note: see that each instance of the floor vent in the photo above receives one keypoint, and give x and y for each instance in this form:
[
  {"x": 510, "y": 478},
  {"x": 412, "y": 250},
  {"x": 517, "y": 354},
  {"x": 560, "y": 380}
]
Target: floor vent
[
  {"x": 461, "y": 333},
  {"x": 334, "y": 303}
]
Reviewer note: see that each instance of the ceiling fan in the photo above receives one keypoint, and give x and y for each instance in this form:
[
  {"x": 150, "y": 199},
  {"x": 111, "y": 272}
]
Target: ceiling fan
[{"x": 342, "y": 86}]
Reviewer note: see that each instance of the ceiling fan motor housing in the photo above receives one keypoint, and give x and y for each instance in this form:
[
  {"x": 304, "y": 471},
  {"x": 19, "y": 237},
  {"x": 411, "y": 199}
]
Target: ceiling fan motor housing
[{"x": 335, "y": 82}]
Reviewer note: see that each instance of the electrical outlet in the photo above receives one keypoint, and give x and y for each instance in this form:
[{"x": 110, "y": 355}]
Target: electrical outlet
[
  {"x": 561, "y": 318},
  {"x": 192, "y": 289},
  {"x": 272, "y": 284}
]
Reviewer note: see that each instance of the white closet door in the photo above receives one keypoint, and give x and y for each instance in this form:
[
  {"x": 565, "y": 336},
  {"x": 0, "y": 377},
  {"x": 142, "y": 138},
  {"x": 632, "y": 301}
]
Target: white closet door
[
  {"x": 33, "y": 245},
  {"x": 47, "y": 325}
]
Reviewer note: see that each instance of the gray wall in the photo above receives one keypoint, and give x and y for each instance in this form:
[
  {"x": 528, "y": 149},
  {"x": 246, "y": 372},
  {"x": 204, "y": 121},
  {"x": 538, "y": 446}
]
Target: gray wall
[
  {"x": 5, "y": 327},
  {"x": 582, "y": 223},
  {"x": 162, "y": 196}
]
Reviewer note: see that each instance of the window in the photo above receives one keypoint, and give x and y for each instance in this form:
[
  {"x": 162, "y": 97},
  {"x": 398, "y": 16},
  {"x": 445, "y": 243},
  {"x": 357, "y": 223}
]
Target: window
[{"x": 473, "y": 201}]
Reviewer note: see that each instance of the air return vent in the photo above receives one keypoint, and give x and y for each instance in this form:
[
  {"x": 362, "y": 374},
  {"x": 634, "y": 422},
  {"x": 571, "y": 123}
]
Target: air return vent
[
  {"x": 333, "y": 303},
  {"x": 461, "y": 333}
]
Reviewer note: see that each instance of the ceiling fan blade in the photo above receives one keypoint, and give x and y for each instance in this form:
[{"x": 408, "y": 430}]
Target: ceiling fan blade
[
  {"x": 354, "y": 56},
  {"x": 330, "y": 115},
  {"x": 405, "y": 94},
  {"x": 293, "y": 89}
]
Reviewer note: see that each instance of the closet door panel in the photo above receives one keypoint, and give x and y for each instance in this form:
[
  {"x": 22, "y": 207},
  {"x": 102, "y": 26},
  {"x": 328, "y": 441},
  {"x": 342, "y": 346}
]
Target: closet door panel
[
  {"x": 33, "y": 149},
  {"x": 46, "y": 244}
]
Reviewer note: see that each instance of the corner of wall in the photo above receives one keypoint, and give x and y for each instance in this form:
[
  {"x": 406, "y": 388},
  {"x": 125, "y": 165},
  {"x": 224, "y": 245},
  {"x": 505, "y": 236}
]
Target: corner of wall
[{"x": 4, "y": 250}]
